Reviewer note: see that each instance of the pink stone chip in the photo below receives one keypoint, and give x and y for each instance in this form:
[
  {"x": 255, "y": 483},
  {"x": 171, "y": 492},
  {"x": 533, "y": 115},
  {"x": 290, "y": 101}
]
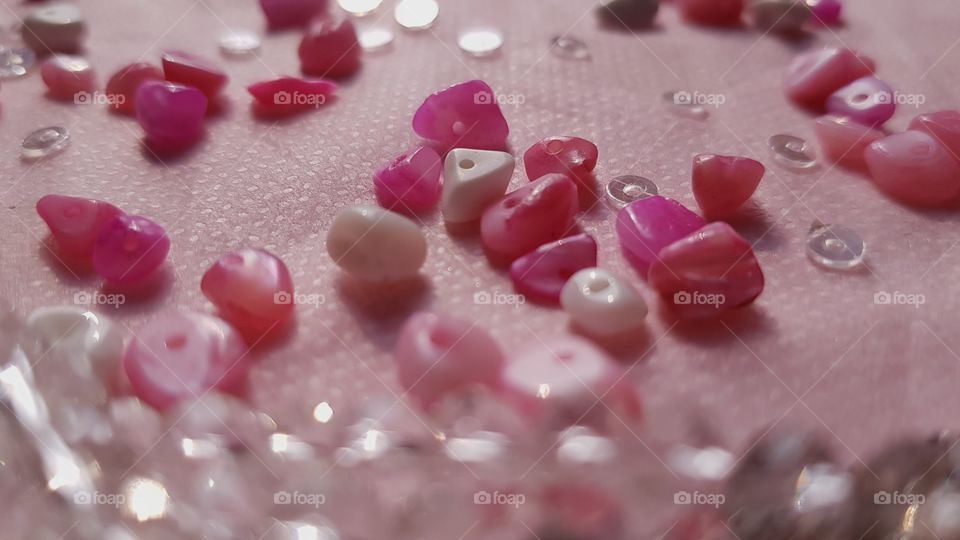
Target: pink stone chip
[
  {"x": 814, "y": 76},
  {"x": 330, "y": 48},
  {"x": 253, "y": 290},
  {"x": 572, "y": 156},
  {"x": 410, "y": 183},
  {"x": 707, "y": 273},
  {"x": 437, "y": 355},
  {"x": 122, "y": 86},
  {"x": 646, "y": 226},
  {"x": 171, "y": 114},
  {"x": 826, "y": 12},
  {"x": 538, "y": 212},
  {"x": 711, "y": 12},
  {"x": 722, "y": 184},
  {"x": 915, "y": 168},
  {"x": 944, "y": 126},
  {"x": 75, "y": 222},
  {"x": 183, "y": 355},
  {"x": 191, "y": 70},
  {"x": 867, "y": 100},
  {"x": 844, "y": 141},
  {"x": 69, "y": 77},
  {"x": 291, "y": 94},
  {"x": 541, "y": 274},
  {"x": 291, "y": 13},
  {"x": 129, "y": 248},
  {"x": 465, "y": 115}
]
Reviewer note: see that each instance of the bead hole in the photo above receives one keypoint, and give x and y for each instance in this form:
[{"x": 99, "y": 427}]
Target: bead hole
[
  {"x": 467, "y": 164},
  {"x": 442, "y": 339},
  {"x": 511, "y": 203},
  {"x": 597, "y": 285}
]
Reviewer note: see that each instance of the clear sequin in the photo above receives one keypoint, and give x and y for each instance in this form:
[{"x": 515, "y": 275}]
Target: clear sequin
[
  {"x": 625, "y": 189},
  {"x": 791, "y": 151},
  {"x": 239, "y": 43},
  {"x": 569, "y": 47},
  {"x": 15, "y": 62},
  {"x": 835, "y": 246},
  {"x": 416, "y": 14},
  {"x": 44, "y": 142},
  {"x": 681, "y": 103},
  {"x": 375, "y": 39},
  {"x": 359, "y": 8},
  {"x": 480, "y": 41}
]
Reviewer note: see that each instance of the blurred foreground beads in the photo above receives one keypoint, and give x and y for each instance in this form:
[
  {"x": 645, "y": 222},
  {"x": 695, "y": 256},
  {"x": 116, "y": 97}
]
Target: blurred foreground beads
[
  {"x": 171, "y": 114},
  {"x": 123, "y": 85},
  {"x": 44, "y": 142},
  {"x": 627, "y": 188},
  {"x": 711, "y": 12},
  {"x": 827, "y": 12},
  {"x": 15, "y": 62},
  {"x": 569, "y": 47},
  {"x": 466, "y": 115},
  {"x": 330, "y": 48},
  {"x": 54, "y": 28},
  {"x": 373, "y": 244},
  {"x": 835, "y": 247},
  {"x": 291, "y": 13},
  {"x": 75, "y": 222},
  {"x": 791, "y": 151},
  {"x": 129, "y": 248},
  {"x": 253, "y": 290}
]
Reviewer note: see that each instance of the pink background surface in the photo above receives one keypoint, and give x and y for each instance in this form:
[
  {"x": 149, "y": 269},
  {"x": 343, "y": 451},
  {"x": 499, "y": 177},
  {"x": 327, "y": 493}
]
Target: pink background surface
[{"x": 813, "y": 350}]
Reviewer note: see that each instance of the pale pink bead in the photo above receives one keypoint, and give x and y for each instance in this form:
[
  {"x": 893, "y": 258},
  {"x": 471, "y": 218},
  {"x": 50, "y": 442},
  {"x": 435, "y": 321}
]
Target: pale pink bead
[
  {"x": 914, "y": 168},
  {"x": 813, "y": 76},
  {"x": 571, "y": 156},
  {"x": 541, "y": 274},
  {"x": 844, "y": 141},
  {"x": 69, "y": 77},
  {"x": 192, "y": 70},
  {"x": 129, "y": 248},
  {"x": 183, "y": 355},
  {"x": 253, "y": 290},
  {"x": 75, "y": 222},
  {"x": 466, "y": 115},
  {"x": 646, "y": 226},
  {"x": 944, "y": 126},
  {"x": 722, "y": 184},
  {"x": 867, "y": 100},
  {"x": 438, "y": 354},
  {"x": 410, "y": 183},
  {"x": 539, "y": 212},
  {"x": 291, "y": 94}
]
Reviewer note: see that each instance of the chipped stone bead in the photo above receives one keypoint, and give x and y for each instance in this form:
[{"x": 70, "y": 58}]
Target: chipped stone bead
[
  {"x": 330, "y": 48},
  {"x": 473, "y": 180},
  {"x": 129, "y": 248},
  {"x": 602, "y": 304},
  {"x": 54, "y": 28},
  {"x": 171, "y": 114},
  {"x": 722, "y": 184},
  {"x": 75, "y": 222},
  {"x": 540, "y": 275},
  {"x": 291, "y": 94},
  {"x": 572, "y": 156},
  {"x": 466, "y": 115},
  {"x": 122, "y": 86},
  {"x": 192, "y": 70},
  {"x": 252, "y": 288},
  {"x": 844, "y": 141},
  {"x": 374, "y": 244},
  {"x": 914, "y": 168},
  {"x": 814, "y": 76},
  {"x": 944, "y": 126},
  {"x": 67, "y": 76},
  {"x": 410, "y": 183},
  {"x": 646, "y": 226},
  {"x": 867, "y": 100}
]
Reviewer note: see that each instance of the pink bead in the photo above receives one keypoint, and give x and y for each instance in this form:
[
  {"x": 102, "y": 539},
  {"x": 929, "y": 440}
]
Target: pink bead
[
  {"x": 129, "y": 248},
  {"x": 539, "y": 212},
  {"x": 191, "y": 70},
  {"x": 75, "y": 222},
  {"x": 67, "y": 76},
  {"x": 291, "y": 13},
  {"x": 707, "y": 273},
  {"x": 646, "y": 226},
  {"x": 540, "y": 275},
  {"x": 914, "y": 168},
  {"x": 437, "y": 355},
  {"x": 466, "y": 115},
  {"x": 813, "y": 76},
  {"x": 572, "y": 156},
  {"x": 122, "y": 86},
  {"x": 411, "y": 182},
  {"x": 722, "y": 184},
  {"x": 844, "y": 141},
  {"x": 291, "y": 94},
  {"x": 944, "y": 126},
  {"x": 171, "y": 114},
  {"x": 183, "y": 355},
  {"x": 253, "y": 290},
  {"x": 868, "y": 101},
  {"x": 826, "y": 12},
  {"x": 330, "y": 48},
  {"x": 711, "y": 12}
]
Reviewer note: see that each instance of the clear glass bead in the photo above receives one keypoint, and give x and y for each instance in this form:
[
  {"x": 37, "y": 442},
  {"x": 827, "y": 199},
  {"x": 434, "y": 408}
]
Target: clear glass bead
[
  {"x": 375, "y": 39},
  {"x": 625, "y": 189},
  {"x": 835, "y": 246},
  {"x": 792, "y": 152},
  {"x": 239, "y": 43},
  {"x": 15, "y": 62},
  {"x": 44, "y": 142},
  {"x": 569, "y": 47},
  {"x": 681, "y": 103},
  {"x": 359, "y": 8},
  {"x": 416, "y": 14},
  {"x": 480, "y": 41}
]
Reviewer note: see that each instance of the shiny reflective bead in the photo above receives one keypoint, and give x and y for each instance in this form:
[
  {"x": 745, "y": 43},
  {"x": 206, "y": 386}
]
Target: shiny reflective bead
[
  {"x": 844, "y": 141},
  {"x": 54, "y": 28},
  {"x": 44, "y": 142},
  {"x": 170, "y": 114},
  {"x": 569, "y": 47},
  {"x": 252, "y": 288},
  {"x": 944, "y": 126},
  {"x": 630, "y": 14},
  {"x": 570, "y": 156},
  {"x": 129, "y": 248},
  {"x": 914, "y": 168},
  {"x": 374, "y": 244},
  {"x": 410, "y": 183},
  {"x": 473, "y": 180},
  {"x": 646, "y": 226},
  {"x": 416, "y": 14},
  {"x": 781, "y": 16},
  {"x": 359, "y": 8},
  {"x": 239, "y": 43},
  {"x": 867, "y": 100},
  {"x": 792, "y": 152},
  {"x": 122, "y": 86},
  {"x": 540, "y": 275},
  {"x": 722, "y": 184},
  {"x": 75, "y": 222},
  {"x": 192, "y": 70},
  {"x": 67, "y": 77},
  {"x": 330, "y": 48},
  {"x": 465, "y": 115},
  {"x": 480, "y": 41},
  {"x": 375, "y": 39},
  {"x": 627, "y": 188},
  {"x": 602, "y": 304},
  {"x": 814, "y": 76},
  {"x": 835, "y": 247},
  {"x": 15, "y": 62}
]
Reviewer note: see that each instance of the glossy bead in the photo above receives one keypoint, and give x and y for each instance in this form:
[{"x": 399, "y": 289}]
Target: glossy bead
[
  {"x": 539, "y": 212},
  {"x": 90, "y": 341},
  {"x": 54, "y": 28},
  {"x": 75, "y": 222},
  {"x": 791, "y": 151},
  {"x": 722, "y": 184},
  {"x": 122, "y": 86},
  {"x": 944, "y": 126},
  {"x": 572, "y": 156},
  {"x": 330, "y": 48},
  {"x": 473, "y": 180},
  {"x": 171, "y": 114},
  {"x": 191, "y": 70},
  {"x": 814, "y": 76},
  {"x": 914, "y": 168},
  {"x": 181, "y": 356},
  {"x": 466, "y": 115},
  {"x": 867, "y": 100},
  {"x": 602, "y": 304},
  {"x": 291, "y": 13},
  {"x": 67, "y": 76},
  {"x": 291, "y": 94},
  {"x": 628, "y": 13},
  {"x": 826, "y": 12},
  {"x": 627, "y": 188},
  {"x": 252, "y": 288},
  {"x": 129, "y": 248},
  {"x": 711, "y": 12},
  {"x": 835, "y": 247},
  {"x": 844, "y": 141},
  {"x": 410, "y": 183},
  {"x": 439, "y": 354},
  {"x": 646, "y": 226},
  {"x": 374, "y": 244},
  {"x": 781, "y": 16},
  {"x": 707, "y": 273},
  {"x": 540, "y": 275},
  {"x": 15, "y": 62}
]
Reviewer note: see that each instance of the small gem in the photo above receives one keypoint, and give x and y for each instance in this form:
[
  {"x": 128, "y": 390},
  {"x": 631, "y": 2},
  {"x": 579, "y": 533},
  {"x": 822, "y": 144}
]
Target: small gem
[
  {"x": 814, "y": 76},
  {"x": 376, "y": 245},
  {"x": 68, "y": 77},
  {"x": 781, "y": 16},
  {"x": 291, "y": 13},
  {"x": 252, "y": 288},
  {"x": 44, "y": 142},
  {"x": 416, "y": 14},
  {"x": 480, "y": 42},
  {"x": 54, "y": 28},
  {"x": 75, "y": 222},
  {"x": 915, "y": 168},
  {"x": 835, "y": 246},
  {"x": 171, "y": 114},
  {"x": 410, "y": 183},
  {"x": 646, "y": 226},
  {"x": 239, "y": 43},
  {"x": 569, "y": 47},
  {"x": 359, "y": 8},
  {"x": 540, "y": 275},
  {"x": 190, "y": 70},
  {"x": 122, "y": 86},
  {"x": 375, "y": 39},
  {"x": 466, "y": 115},
  {"x": 625, "y": 189},
  {"x": 602, "y": 304},
  {"x": 792, "y": 152},
  {"x": 15, "y": 62},
  {"x": 330, "y": 48},
  {"x": 571, "y": 156},
  {"x": 681, "y": 103},
  {"x": 129, "y": 248},
  {"x": 867, "y": 100},
  {"x": 722, "y": 184}
]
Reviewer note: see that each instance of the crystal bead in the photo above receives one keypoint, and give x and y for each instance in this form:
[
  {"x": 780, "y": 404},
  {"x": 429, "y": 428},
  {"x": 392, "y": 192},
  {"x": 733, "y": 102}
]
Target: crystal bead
[
  {"x": 375, "y": 39},
  {"x": 792, "y": 152},
  {"x": 239, "y": 43},
  {"x": 646, "y": 226},
  {"x": 835, "y": 246},
  {"x": 480, "y": 41},
  {"x": 680, "y": 103},
  {"x": 282, "y": 14},
  {"x": 15, "y": 62},
  {"x": 68, "y": 77},
  {"x": 416, "y": 14},
  {"x": 569, "y": 47},
  {"x": 44, "y": 142},
  {"x": 359, "y": 8},
  {"x": 625, "y": 189},
  {"x": 253, "y": 290}
]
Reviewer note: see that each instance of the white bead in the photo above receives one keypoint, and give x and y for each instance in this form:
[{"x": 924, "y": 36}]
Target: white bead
[
  {"x": 68, "y": 330},
  {"x": 601, "y": 303},
  {"x": 473, "y": 180},
  {"x": 56, "y": 28},
  {"x": 374, "y": 244}
]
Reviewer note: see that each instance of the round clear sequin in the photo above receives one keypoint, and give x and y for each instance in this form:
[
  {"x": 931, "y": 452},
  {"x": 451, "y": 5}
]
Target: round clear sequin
[
  {"x": 681, "y": 103},
  {"x": 791, "y": 151},
  {"x": 835, "y": 246},
  {"x": 359, "y": 8},
  {"x": 480, "y": 41},
  {"x": 374, "y": 39},
  {"x": 44, "y": 142},
  {"x": 239, "y": 43},
  {"x": 625, "y": 189},
  {"x": 15, "y": 62},
  {"x": 569, "y": 47},
  {"x": 416, "y": 14}
]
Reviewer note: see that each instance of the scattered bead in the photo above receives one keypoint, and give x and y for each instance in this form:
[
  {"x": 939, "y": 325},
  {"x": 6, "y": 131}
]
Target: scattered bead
[
  {"x": 330, "y": 48},
  {"x": 359, "y": 8},
  {"x": 44, "y": 142},
  {"x": 129, "y": 249},
  {"x": 252, "y": 288},
  {"x": 844, "y": 141},
  {"x": 629, "y": 14},
  {"x": 480, "y": 42},
  {"x": 781, "y": 16},
  {"x": 627, "y": 188},
  {"x": 472, "y": 180},
  {"x": 646, "y": 226},
  {"x": 239, "y": 43},
  {"x": 291, "y": 94},
  {"x": 181, "y": 356},
  {"x": 89, "y": 341},
  {"x": 291, "y": 13},
  {"x": 191, "y": 70},
  {"x": 569, "y": 47},
  {"x": 67, "y": 76},
  {"x": 711, "y": 12},
  {"x": 814, "y": 76},
  {"x": 539, "y": 212},
  {"x": 571, "y": 156},
  {"x": 410, "y": 183},
  {"x": 914, "y": 168},
  {"x": 54, "y": 28},
  {"x": 868, "y": 101},
  {"x": 944, "y": 126},
  {"x": 437, "y": 355},
  {"x": 722, "y": 184},
  {"x": 122, "y": 86},
  {"x": 15, "y": 62},
  {"x": 707, "y": 273},
  {"x": 75, "y": 222},
  {"x": 602, "y": 304},
  {"x": 540, "y": 275},
  {"x": 792, "y": 152},
  {"x": 416, "y": 14},
  {"x": 171, "y": 114},
  {"x": 835, "y": 247},
  {"x": 826, "y": 12},
  {"x": 466, "y": 115},
  {"x": 374, "y": 244},
  {"x": 375, "y": 39}
]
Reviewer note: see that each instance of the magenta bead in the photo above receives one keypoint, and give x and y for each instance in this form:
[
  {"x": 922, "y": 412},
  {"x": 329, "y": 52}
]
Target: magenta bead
[
  {"x": 572, "y": 156},
  {"x": 290, "y": 94},
  {"x": 291, "y": 13},
  {"x": 868, "y": 101},
  {"x": 69, "y": 77},
  {"x": 330, "y": 48},
  {"x": 252, "y": 288},
  {"x": 465, "y": 115},
  {"x": 826, "y": 12},
  {"x": 646, "y": 226},
  {"x": 944, "y": 126},
  {"x": 541, "y": 274},
  {"x": 75, "y": 222},
  {"x": 410, "y": 183},
  {"x": 915, "y": 168},
  {"x": 171, "y": 114},
  {"x": 191, "y": 70},
  {"x": 129, "y": 248},
  {"x": 722, "y": 184}
]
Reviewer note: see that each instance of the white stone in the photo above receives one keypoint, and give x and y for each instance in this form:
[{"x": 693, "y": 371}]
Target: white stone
[
  {"x": 374, "y": 244},
  {"x": 473, "y": 180},
  {"x": 601, "y": 303}
]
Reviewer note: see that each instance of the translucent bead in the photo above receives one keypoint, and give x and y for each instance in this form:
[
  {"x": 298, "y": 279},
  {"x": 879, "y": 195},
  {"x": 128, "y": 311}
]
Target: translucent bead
[
  {"x": 359, "y": 8},
  {"x": 44, "y": 142},
  {"x": 569, "y": 47},
  {"x": 681, "y": 103},
  {"x": 835, "y": 246},
  {"x": 375, "y": 39},
  {"x": 625, "y": 189},
  {"x": 15, "y": 62},
  {"x": 239, "y": 43},
  {"x": 792, "y": 152},
  {"x": 416, "y": 14},
  {"x": 480, "y": 41}
]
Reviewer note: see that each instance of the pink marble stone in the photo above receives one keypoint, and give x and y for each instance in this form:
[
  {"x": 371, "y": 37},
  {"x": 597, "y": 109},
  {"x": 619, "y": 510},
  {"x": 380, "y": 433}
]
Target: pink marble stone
[
  {"x": 572, "y": 156},
  {"x": 711, "y": 12},
  {"x": 183, "y": 355},
  {"x": 538, "y": 212},
  {"x": 171, "y": 114},
  {"x": 291, "y": 94},
  {"x": 844, "y": 141},
  {"x": 540, "y": 275},
  {"x": 291, "y": 13},
  {"x": 722, "y": 184},
  {"x": 944, "y": 126},
  {"x": 466, "y": 115},
  {"x": 192, "y": 70},
  {"x": 329, "y": 48},
  {"x": 914, "y": 168},
  {"x": 69, "y": 77},
  {"x": 75, "y": 222},
  {"x": 707, "y": 273},
  {"x": 826, "y": 12},
  {"x": 253, "y": 290},
  {"x": 410, "y": 183},
  {"x": 813, "y": 76},
  {"x": 438, "y": 354},
  {"x": 122, "y": 86},
  {"x": 867, "y": 100},
  {"x": 646, "y": 226},
  {"x": 129, "y": 248}
]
